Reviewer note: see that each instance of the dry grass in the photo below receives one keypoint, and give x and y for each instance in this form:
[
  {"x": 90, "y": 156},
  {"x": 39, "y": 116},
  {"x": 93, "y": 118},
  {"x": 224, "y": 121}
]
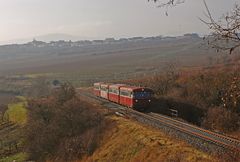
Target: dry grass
[
  {"x": 17, "y": 113},
  {"x": 19, "y": 157},
  {"x": 235, "y": 134},
  {"x": 129, "y": 141}
]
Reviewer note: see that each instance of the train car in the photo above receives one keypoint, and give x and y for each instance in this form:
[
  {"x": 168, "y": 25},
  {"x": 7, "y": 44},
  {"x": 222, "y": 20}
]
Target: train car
[
  {"x": 104, "y": 88},
  {"x": 135, "y": 97},
  {"x": 114, "y": 92},
  {"x": 97, "y": 89}
]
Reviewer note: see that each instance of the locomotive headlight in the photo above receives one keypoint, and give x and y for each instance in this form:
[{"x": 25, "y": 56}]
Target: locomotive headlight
[{"x": 136, "y": 100}]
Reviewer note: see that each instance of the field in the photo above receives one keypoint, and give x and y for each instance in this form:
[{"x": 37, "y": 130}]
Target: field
[
  {"x": 11, "y": 131},
  {"x": 16, "y": 113},
  {"x": 6, "y": 98},
  {"x": 19, "y": 157},
  {"x": 21, "y": 65},
  {"x": 118, "y": 60}
]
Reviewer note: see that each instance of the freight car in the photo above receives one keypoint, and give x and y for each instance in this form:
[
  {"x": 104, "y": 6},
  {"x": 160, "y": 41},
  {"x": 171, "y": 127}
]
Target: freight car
[{"x": 128, "y": 96}]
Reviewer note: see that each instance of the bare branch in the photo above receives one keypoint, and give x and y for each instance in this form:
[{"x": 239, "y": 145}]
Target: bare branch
[
  {"x": 225, "y": 33},
  {"x": 168, "y": 3}
]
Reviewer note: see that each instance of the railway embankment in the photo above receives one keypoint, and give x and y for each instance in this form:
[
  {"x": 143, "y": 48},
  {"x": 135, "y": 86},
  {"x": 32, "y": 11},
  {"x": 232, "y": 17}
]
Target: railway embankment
[
  {"x": 207, "y": 141},
  {"x": 130, "y": 141}
]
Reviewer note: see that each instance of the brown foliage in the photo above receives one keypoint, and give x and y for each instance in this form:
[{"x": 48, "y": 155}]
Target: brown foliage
[
  {"x": 62, "y": 127},
  {"x": 221, "y": 119},
  {"x": 204, "y": 89},
  {"x": 65, "y": 93},
  {"x": 161, "y": 84},
  {"x": 168, "y": 3},
  {"x": 39, "y": 88},
  {"x": 231, "y": 96},
  {"x": 3, "y": 109},
  {"x": 225, "y": 32}
]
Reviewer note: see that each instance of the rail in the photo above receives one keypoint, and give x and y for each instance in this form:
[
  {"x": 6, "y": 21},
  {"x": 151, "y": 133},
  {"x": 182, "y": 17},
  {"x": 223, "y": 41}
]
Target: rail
[{"x": 206, "y": 135}]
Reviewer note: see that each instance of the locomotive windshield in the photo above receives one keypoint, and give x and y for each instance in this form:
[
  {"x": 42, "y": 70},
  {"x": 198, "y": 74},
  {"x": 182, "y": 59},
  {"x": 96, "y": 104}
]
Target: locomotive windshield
[{"x": 142, "y": 95}]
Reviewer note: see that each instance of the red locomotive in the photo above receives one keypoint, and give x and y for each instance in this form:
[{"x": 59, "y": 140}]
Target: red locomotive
[
  {"x": 135, "y": 97},
  {"x": 129, "y": 96}
]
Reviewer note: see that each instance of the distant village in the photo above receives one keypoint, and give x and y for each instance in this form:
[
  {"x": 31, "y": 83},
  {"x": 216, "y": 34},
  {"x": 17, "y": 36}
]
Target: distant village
[{"x": 64, "y": 43}]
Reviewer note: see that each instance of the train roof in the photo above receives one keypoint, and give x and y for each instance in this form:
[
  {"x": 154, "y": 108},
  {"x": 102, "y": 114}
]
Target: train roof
[
  {"x": 117, "y": 85},
  {"x": 105, "y": 84},
  {"x": 123, "y": 86},
  {"x": 98, "y": 83},
  {"x": 133, "y": 88}
]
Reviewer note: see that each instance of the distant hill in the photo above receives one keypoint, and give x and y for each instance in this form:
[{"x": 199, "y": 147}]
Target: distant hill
[
  {"x": 126, "y": 55},
  {"x": 59, "y": 36},
  {"x": 46, "y": 38}
]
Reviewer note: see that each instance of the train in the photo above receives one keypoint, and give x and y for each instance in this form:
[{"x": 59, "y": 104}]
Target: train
[{"x": 134, "y": 97}]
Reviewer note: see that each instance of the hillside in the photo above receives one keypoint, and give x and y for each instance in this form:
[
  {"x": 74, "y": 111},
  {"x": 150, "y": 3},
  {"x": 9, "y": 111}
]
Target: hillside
[
  {"x": 11, "y": 127},
  {"x": 133, "y": 55},
  {"x": 130, "y": 141}
]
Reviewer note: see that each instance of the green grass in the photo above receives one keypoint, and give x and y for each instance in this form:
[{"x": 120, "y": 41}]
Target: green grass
[
  {"x": 19, "y": 157},
  {"x": 17, "y": 112}
]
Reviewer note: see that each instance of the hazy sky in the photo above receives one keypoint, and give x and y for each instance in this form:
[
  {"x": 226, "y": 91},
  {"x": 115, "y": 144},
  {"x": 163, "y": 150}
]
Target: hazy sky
[{"x": 102, "y": 18}]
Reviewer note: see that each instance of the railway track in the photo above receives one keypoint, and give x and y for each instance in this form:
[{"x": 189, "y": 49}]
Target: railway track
[
  {"x": 199, "y": 130},
  {"x": 208, "y": 136},
  {"x": 154, "y": 119}
]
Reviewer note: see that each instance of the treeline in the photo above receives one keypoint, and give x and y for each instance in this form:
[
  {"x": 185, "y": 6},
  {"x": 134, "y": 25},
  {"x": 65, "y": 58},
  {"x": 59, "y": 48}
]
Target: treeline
[
  {"x": 216, "y": 92},
  {"x": 61, "y": 127}
]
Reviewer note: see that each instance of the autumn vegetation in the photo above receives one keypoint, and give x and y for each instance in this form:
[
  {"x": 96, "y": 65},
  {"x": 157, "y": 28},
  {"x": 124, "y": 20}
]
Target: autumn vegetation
[
  {"x": 214, "y": 91},
  {"x": 61, "y": 127},
  {"x": 130, "y": 141}
]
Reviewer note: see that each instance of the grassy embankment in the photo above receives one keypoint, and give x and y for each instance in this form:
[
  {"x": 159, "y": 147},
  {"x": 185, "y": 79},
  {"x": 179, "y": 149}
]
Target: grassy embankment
[
  {"x": 130, "y": 141},
  {"x": 16, "y": 114},
  {"x": 19, "y": 157},
  {"x": 17, "y": 111}
]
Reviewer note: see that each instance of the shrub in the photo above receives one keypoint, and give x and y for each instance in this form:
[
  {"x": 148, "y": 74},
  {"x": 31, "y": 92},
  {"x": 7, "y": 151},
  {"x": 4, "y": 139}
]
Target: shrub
[
  {"x": 58, "y": 127},
  {"x": 215, "y": 91},
  {"x": 221, "y": 119}
]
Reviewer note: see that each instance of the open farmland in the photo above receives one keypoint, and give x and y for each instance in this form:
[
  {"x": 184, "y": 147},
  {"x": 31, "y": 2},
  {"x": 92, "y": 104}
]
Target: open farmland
[
  {"x": 6, "y": 98},
  {"x": 11, "y": 127},
  {"x": 140, "y": 56}
]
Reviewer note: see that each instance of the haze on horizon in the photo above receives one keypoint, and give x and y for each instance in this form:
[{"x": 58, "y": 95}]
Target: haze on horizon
[{"x": 100, "y": 19}]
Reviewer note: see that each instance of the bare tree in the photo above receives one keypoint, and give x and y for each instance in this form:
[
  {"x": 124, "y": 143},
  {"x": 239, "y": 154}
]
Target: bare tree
[
  {"x": 225, "y": 33},
  {"x": 168, "y": 3},
  {"x": 62, "y": 126}
]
